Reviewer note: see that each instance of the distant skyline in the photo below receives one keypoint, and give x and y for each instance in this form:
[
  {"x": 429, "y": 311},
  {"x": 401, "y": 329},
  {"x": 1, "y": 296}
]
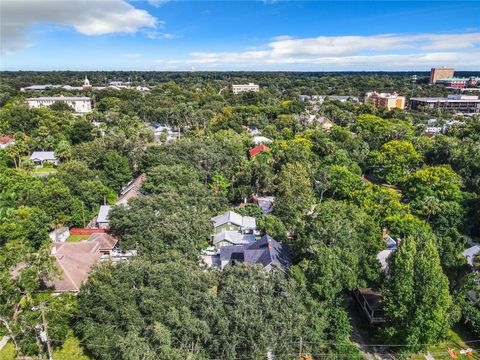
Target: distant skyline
[{"x": 239, "y": 35}]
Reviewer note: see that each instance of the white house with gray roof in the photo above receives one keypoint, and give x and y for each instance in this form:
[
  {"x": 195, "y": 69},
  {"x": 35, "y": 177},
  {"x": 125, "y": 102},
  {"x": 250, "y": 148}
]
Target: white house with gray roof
[
  {"x": 472, "y": 255},
  {"x": 41, "y": 157},
  {"x": 231, "y": 228}
]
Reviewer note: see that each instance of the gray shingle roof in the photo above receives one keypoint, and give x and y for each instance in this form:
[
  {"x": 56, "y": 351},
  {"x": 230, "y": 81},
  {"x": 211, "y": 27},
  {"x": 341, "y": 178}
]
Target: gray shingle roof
[
  {"x": 103, "y": 214},
  {"x": 43, "y": 155},
  {"x": 471, "y": 253},
  {"x": 266, "y": 251},
  {"x": 234, "y": 237},
  {"x": 234, "y": 218}
]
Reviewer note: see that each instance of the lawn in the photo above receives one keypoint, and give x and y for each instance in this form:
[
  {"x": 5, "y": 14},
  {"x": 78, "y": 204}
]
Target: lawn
[
  {"x": 457, "y": 337},
  {"x": 70, "y": 350},
  {"x": 8, "y": 352},
  {"x": 74, "y": 238},
  {"x": 41, "y": 171}
]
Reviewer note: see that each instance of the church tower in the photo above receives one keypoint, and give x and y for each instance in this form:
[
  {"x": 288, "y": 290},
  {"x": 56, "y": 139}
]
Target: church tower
[{"x": 86, "y": 84}]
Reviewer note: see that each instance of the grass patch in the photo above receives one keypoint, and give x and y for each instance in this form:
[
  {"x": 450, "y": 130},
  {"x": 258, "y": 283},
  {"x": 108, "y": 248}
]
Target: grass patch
[
  {"x": 457, "y": 339},
  {"x": 70, "y": 350},
  {"x": 8, "y": 352},
  {"x": 44, "y": 171},
  {"x": 75, "y": 238}
]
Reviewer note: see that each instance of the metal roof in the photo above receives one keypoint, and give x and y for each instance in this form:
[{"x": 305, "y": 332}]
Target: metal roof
[
  {"x": 43, "y": 155},
  {"x": 103, "y": 214},
  {"x": 60, "y": 98}
]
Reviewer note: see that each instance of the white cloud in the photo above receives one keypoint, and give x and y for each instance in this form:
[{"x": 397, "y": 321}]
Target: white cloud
[
  {"x": 131, "y": 55},
  {"x": 169, "y": 62},
  {"x": 87, "y": 17},
  {"x": 388, "y": 51},
  {"x": 157, "y": 3},
  {"x": 160, "y": 35}
]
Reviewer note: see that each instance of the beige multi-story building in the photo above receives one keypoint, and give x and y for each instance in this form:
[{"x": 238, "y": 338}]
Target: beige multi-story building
[
  {"x": 440, "y": 73},
  {"x": 79, "y": 104},
  {"x": 385, "y": 100},
  {"x": 245, "y": 87}
]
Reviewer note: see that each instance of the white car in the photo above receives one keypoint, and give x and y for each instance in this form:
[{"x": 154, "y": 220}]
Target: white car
[{"x": 209, "y": 251}]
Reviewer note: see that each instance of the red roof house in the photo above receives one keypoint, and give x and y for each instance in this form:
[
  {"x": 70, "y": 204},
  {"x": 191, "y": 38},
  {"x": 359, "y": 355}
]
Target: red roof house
[
  {"x": 5, "y": 141},
  {"x": 258, "y": 149}
]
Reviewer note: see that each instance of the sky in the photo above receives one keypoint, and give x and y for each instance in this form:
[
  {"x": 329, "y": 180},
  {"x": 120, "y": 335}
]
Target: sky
[{"x": 239, "y": 35}]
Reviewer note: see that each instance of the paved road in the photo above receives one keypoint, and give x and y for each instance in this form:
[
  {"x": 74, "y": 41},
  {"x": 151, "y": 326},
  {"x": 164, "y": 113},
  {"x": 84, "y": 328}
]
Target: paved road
[{"x": 4, "y": 341}]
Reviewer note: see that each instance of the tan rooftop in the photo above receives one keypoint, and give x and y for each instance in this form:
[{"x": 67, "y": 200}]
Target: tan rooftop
[{"x": 75, "y": 260}]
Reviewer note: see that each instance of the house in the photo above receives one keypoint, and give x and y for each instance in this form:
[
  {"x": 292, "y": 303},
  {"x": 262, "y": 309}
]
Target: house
[
  {"x": 75, "y": 260},
  {"x": 227, "y": 238},
  {"x": 231, "y": 228},
  {"x": 237, "y": 89},
  {"x": 6, "y": 141},
  {"x": 165, "y": 133},
  {"x": 472, "y": 255},
  {"x": 41, "y": 157},
  {"x": 231, "y": 221},
  {"x": 261, "y": 140},
  {"x": 325, "y": 123},
  {"x": 265, "y": 202},
  {"x": 60, "y": 234},
  {"x": 258, "y": 149},
  {"x": 370, "y": 302},
  {"x": 131, "y": 190},
  {"x": 106, "y": 242},
  {"x": 390, "y": 246},
  {"x": 432, "y": 131},
  {"x": 103, "y": 222},
  {"x": 321, "y": 98},
  {"x": 266, "y": 252}
]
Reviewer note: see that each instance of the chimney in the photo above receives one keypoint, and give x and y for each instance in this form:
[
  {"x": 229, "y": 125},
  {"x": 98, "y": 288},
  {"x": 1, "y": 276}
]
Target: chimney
[{"x": 384, "y": 232}]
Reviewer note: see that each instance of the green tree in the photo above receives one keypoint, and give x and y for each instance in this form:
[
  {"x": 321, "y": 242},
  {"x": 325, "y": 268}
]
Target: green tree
[
  {"x": 394, "y": 160},
  {"x": 116, "y": 170},
  {"x": 294, "y": 195},
  {"x": 63, "y": 151},
  {"x": 416, "y": 295}
]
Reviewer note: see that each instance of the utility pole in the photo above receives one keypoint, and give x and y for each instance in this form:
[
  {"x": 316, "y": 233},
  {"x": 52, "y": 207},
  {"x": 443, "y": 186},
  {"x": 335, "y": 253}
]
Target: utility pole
[
  {"x": 300, "y": 350},
  {"x": 413, "y": 81},
  {"x": 45, "y": 324},
  {"x": 83, "y": 215}
]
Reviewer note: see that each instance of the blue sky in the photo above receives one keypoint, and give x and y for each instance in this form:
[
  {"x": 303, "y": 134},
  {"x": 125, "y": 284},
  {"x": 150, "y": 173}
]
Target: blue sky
[{"x": 239, "y": 35}]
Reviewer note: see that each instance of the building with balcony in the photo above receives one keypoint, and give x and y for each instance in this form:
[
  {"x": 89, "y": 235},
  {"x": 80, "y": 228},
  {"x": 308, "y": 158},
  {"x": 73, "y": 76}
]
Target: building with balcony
[{"x": 386, "y": 101}]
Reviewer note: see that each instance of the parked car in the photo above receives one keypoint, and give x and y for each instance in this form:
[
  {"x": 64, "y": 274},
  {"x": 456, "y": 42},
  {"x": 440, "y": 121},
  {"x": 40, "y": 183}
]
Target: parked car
[{"x": 210, "y": 251}]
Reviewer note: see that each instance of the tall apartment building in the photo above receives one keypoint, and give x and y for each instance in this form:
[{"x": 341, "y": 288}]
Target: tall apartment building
[
  {"x": 79, "y": 104},
  {"x": 440, "y": 73},
  {"x": 245, "y": 87},
  {"x": 385, "y": 100}
]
